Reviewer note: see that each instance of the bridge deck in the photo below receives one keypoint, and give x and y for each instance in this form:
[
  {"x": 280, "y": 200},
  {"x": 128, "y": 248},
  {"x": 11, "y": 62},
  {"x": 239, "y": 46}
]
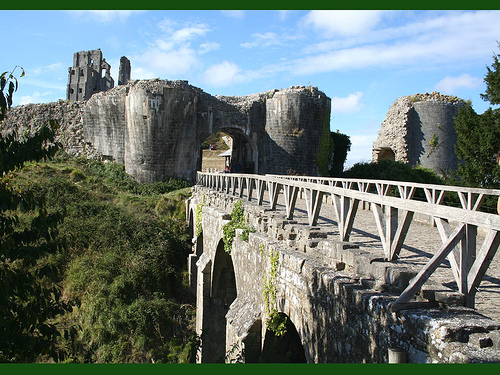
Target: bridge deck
[{"x": 421, "y": 244}]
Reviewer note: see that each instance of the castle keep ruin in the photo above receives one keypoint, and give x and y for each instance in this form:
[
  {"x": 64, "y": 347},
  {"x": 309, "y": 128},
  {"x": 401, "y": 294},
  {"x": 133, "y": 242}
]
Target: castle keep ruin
[
  {"x": 91, "y": 73},
  {"x": 420, "y": 130}
]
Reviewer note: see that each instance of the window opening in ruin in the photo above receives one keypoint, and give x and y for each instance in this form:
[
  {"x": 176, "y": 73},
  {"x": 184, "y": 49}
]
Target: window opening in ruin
[
  {"x": 72, "y": 72},
  {"x": 386, "y": 153},
  {"x": 81, "y": 73},
  {"x": 80, "y": 90},
  {"x": 283, "y": 349}
]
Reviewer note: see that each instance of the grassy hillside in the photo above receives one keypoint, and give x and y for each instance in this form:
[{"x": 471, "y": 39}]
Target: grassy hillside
[{"x": 122, "y": 266}]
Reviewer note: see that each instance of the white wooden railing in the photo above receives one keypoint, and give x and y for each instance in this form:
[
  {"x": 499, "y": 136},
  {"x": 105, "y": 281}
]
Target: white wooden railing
[{"x": 393, "y": 214}]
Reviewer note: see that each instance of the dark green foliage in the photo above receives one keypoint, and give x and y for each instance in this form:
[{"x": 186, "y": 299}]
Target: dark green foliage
[
  {"x": 342, "y": 145},
  {"x": 324, "y": 154},
  {"x": 123, "y": 265},
  {"x": 478, "y": 139},
  {"x": 29, "y": 295},
  {"x": 492, "y": 80},
  {"x": 393, "y": 171},
  {"x": 332, "y": 151}
]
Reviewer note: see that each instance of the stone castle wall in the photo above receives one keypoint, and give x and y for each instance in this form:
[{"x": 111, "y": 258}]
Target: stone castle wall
[
  {"x": 156, "y": 127},
  {"x": 420, "y": 130},
  {"x": 30, "y": 117}
]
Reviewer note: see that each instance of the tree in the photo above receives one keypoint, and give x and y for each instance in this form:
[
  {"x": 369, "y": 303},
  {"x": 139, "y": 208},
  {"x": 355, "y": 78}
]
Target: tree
[
  {"x": 492, "y": 80},
  {"x": 28, "y": 297},
  {"x": 478, "y": 137}
]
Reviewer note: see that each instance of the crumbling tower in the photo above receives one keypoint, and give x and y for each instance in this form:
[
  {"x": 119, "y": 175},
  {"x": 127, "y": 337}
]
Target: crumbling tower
[
  {"x": 90, "y": 74},
  {"x": 124, "y": 72}
]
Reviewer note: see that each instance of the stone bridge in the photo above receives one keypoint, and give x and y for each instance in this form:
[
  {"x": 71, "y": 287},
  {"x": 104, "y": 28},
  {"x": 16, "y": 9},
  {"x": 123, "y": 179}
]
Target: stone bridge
[{"x": 344, "y": 270}]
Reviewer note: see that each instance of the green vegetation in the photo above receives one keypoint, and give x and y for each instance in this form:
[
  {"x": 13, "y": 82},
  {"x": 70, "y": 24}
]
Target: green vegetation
[
  {"x": 29, "y": 245},
  {"x": 216, "y": 141},
  {"x": 395, "y": 171},
  {"x": 332, "y": 150},
  {"x": 122, "y": 264},
  {"x": 237, "y": 222},
  {"x": 276, "y": 322},
  {"x": 199, "y": 211},
  {"x": 91, "y": 262},
  {"x": 478, "y": 136}
]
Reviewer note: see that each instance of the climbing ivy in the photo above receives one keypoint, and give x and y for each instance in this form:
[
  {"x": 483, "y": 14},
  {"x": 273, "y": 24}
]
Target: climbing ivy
[
  {"x": 275, "y": 322},
  {"x": 199, "y": 208},
  {"x": 237, "y": 222}
]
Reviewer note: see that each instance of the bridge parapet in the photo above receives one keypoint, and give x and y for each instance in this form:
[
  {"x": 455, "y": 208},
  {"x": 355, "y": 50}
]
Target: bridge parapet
[{"x": 394, "y": 205}]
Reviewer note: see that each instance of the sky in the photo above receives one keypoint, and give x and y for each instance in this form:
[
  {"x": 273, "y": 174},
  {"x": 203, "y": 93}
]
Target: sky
[{"x": 364, "y": 60}]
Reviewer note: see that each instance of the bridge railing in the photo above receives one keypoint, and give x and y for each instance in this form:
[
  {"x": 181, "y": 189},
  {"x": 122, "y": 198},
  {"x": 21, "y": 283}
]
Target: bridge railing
[{"x": 394, "y": 205}]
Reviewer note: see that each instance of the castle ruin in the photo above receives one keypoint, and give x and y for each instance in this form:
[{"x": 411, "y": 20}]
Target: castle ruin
[
  {"x": 420, "y": 130},
  {"x": 91, "y": 74}
]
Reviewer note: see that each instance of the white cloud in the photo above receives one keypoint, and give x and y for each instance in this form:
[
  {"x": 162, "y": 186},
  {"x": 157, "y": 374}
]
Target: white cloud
[
  {"x": 36, "y": 97},
  {"x": 103, "y": 15},
  {"x": 168, "y": 63},
  {"x": 237, "y": 14},
  {"x": 207, "y": 47},
  {"x": 189, "y": 33},
  {"x": 267, "y": 39},
  {"x": 222, "y": 74},
  {"x": 450, "y": 84},
  {"x": 171, "y": 54},
  {"x": 452, "y": 37},
  {"x": 343, "y": 22},
  {"x": 43, "y": 70},
  {"x": 349, "y": 104}
]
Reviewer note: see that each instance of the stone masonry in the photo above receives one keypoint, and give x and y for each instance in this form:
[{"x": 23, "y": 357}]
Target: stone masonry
[
  {"x": 336, "y": 297},
  {"x": 156, "y": 127},
  {"x": 420, "y": 130}
]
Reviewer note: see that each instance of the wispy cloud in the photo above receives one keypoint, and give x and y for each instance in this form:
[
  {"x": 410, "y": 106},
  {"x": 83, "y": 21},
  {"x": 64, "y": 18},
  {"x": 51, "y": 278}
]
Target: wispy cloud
[
  {"x": 103, "y": 15},
  {"x": 455, "y": 37},
  {"x": 348, "y": 104},
  {"x": 238, "y": 14},
  {"x": 36, "y": 97},
  {"x": 449, "y": 85},
  {"x": 43, "y": 70},
  {"x": 343, "y": 22},
  {"x": 171, "y": 52},
  {"x": 207, "y": 47},
  {"x": 268, "y": 39}
]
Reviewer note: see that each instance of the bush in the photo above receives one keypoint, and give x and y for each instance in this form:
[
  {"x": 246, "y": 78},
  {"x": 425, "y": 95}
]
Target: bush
[
  {"x": 122, "y": 265},
  {"x": 393, "y": 171}
]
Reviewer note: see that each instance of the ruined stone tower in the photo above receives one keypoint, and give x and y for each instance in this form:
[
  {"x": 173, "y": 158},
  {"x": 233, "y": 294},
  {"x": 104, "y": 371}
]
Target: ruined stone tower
[
  {"x": 420, "y": 130},
  {"x": 124, "y": 72},
  {"x": 86, "y": 76}
]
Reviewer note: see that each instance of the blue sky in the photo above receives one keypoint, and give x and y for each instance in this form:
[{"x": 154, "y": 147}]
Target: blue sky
[{"x": 363, "y": 60}]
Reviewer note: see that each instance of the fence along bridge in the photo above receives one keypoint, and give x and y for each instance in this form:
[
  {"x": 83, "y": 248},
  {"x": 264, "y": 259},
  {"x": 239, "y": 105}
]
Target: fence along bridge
[{"x": 469, "y": 238}]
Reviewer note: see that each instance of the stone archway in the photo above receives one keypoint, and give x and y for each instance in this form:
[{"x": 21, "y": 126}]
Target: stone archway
[
  {"x": 283, "y": 349},
  {"x": 223, "y": 293}
]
